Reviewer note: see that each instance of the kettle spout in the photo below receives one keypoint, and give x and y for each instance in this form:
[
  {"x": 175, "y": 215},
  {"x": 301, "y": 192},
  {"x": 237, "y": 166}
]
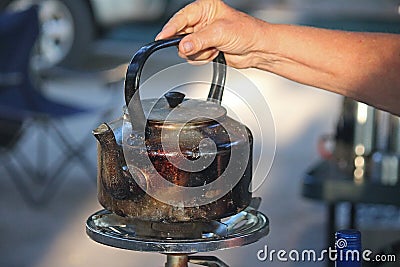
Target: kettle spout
[
  {"x": 111, "y": 175},
  {"x": 102, "y": 133}
]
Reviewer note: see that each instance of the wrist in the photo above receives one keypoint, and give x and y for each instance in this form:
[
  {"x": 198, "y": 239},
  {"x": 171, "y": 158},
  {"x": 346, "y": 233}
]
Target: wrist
[{"x": 262, "y": 51}]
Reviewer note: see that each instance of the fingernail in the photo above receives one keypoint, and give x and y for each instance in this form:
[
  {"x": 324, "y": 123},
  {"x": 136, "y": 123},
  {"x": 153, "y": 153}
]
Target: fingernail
[
  {"x": 167, "y": 31},
  {"x": 187, "y": 47},
  {"x": 158, "y": 36}
]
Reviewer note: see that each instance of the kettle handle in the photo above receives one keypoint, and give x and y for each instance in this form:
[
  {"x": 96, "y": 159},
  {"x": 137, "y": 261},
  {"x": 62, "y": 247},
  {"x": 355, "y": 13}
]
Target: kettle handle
[{"x": 132, "y": 79}]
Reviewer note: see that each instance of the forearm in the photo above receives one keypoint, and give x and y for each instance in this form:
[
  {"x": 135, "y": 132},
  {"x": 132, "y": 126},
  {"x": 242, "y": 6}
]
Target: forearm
[{"x": 364, "y": 66}]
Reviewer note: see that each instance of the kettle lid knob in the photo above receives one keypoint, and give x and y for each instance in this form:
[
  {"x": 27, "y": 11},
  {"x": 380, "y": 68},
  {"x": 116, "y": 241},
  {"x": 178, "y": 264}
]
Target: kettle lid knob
[{"x": 174, "y": 98}]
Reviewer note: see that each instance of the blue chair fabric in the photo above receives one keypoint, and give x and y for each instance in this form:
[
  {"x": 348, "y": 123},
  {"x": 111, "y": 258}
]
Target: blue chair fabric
[{"x": 21, "y": 101}]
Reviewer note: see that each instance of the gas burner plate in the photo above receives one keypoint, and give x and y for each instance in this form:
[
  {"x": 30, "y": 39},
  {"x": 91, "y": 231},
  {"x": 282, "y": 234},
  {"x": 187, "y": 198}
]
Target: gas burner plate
[{"x": 241, "y": 229}]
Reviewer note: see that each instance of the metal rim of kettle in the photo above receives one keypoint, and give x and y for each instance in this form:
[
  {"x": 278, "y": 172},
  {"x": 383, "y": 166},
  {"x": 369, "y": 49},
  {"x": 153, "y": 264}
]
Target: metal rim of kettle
[{"x": 134, "y": 70}]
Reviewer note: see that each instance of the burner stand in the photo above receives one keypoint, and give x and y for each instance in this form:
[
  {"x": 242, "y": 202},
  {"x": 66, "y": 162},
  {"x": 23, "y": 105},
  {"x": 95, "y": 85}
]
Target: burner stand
[
  {"x": 241, "y": 229},
  {"x": 181, "y": 260}
]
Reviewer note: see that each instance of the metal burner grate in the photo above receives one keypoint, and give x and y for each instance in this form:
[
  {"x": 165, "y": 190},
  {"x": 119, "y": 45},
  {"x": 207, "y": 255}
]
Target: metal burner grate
[{"x": 179, "y": 239}]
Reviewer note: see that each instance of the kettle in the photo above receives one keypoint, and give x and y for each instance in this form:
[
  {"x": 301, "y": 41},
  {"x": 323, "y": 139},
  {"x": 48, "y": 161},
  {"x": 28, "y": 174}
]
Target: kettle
[{"x": 174, "y": 159}]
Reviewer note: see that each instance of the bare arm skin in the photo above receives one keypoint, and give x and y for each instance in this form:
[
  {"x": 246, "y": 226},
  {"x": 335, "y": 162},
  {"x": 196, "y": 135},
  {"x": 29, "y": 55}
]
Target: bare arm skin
[{"x": 363, "y": 66}]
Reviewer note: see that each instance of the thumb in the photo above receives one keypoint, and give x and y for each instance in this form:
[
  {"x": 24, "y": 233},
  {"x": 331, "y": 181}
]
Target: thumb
[{"x": 208, "y": 37}]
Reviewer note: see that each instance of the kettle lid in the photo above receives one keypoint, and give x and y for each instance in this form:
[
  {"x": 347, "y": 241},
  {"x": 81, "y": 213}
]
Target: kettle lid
[{"x": 190, "y": 111}]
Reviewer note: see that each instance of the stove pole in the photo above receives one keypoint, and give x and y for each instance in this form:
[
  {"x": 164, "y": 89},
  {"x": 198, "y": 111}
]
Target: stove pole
[{"x": 177, "y": 260}]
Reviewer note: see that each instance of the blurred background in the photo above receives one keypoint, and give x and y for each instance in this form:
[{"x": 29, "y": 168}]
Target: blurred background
[{"x": 79, "y": 60}]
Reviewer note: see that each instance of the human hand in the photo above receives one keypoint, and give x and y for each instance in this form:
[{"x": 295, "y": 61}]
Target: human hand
[
  {"x": 213, "y": 26},
  {"x": 306, "y": 55}
]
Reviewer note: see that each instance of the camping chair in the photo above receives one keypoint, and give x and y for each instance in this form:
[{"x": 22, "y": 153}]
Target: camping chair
[{"x": 22, "y": 107}]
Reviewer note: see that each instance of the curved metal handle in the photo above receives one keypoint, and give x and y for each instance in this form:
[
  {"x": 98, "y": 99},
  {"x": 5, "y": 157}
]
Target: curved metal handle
[
  {"x": 132, "y": 79},
  {"x": 218, "y": 80}
]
